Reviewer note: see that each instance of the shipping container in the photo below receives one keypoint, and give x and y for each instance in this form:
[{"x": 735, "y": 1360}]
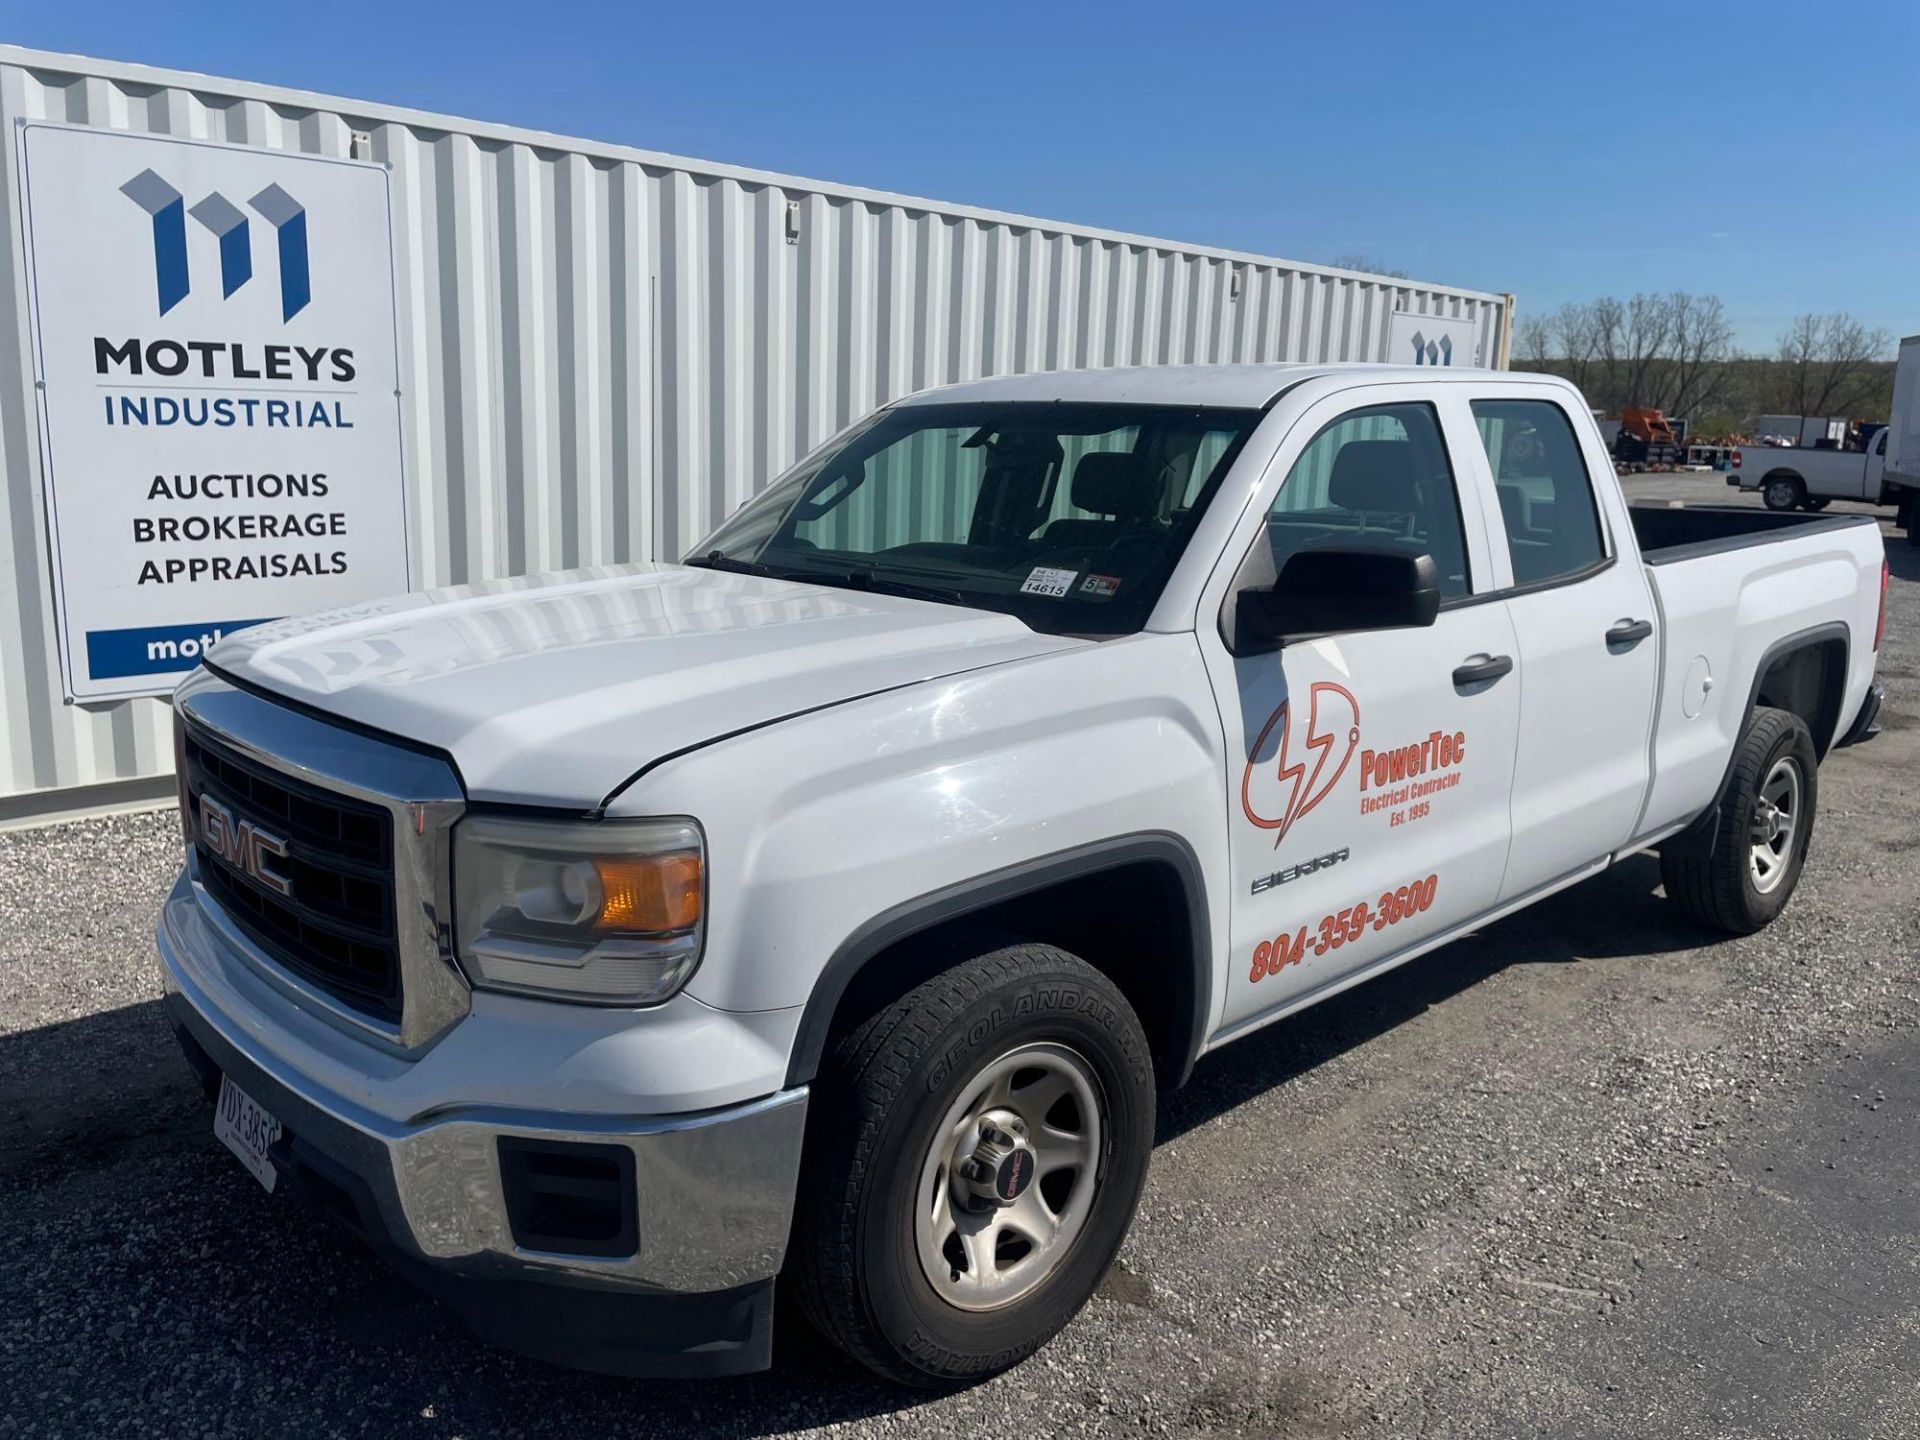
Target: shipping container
[{"x": 604, "y": 350}]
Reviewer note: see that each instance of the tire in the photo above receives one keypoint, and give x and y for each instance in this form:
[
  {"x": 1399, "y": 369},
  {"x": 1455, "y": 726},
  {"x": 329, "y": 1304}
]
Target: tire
[
  {"x": 1818, "y": 505},
  {"x": 883, "y": 1121},
  {"x": 1783, "y": 492},
  {"x": 1909, "y": 516},
  {"x": 1724, "y": 888}
]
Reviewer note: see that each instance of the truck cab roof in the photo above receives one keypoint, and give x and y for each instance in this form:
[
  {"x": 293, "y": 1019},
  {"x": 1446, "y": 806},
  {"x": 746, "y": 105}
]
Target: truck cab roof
[{"x": 1210, "y": 385}]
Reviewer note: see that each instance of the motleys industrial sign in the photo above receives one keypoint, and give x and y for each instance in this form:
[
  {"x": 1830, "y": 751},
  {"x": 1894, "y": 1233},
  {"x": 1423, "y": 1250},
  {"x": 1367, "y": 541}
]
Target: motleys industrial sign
[
  {"x": 1414, "y": 339},
  {"x": 215, "y": 348}
]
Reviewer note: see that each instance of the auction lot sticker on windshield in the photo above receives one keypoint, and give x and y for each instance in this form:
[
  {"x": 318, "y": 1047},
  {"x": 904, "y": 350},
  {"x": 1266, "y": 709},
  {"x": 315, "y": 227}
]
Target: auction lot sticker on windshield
[
  {"x": 214, "y": 352},
  {"x": 1053, "y": 583}
]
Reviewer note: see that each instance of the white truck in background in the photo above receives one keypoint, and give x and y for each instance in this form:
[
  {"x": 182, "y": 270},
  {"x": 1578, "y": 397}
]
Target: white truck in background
[
  {"x": 827, "y": 913},
  {"x": 1887, "y": 472}
]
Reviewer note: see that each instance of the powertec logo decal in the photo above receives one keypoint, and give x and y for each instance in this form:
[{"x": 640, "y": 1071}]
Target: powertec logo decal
[
  {"x": 1289, "y": 773},
  {"x": 1275, "y": 793},
  {"x": 216, "y": 361}
]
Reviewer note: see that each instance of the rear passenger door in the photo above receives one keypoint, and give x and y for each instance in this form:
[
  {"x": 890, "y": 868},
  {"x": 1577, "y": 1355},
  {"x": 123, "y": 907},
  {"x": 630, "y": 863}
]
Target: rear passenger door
[
  {"x": 1582, "y": 612},
  {"x": 1367, "y": 773}
]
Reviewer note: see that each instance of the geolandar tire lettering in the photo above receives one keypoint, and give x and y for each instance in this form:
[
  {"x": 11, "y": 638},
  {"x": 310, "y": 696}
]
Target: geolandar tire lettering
[
  {"x": 1765, "y": 823},
  {"x": 975, "y": 1153}
]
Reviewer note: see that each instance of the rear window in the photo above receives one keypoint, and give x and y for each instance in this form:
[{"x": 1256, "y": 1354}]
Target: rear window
[{"x": 1546, "y": 494}]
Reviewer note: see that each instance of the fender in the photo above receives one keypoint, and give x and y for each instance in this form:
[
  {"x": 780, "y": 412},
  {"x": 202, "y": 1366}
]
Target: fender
[
  {"x": 1699, "y": 837},
  {"x": 972, "y": 896}
]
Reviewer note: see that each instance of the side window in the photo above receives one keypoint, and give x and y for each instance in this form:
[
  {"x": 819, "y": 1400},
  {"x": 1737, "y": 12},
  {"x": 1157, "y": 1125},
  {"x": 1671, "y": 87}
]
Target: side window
[
  {"x": 1546, "y": 494},
  {"x": 1378, "y": 476}
]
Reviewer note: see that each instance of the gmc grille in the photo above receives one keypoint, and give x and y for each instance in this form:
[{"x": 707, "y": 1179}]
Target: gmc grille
[{"x": 335, "y": 928}]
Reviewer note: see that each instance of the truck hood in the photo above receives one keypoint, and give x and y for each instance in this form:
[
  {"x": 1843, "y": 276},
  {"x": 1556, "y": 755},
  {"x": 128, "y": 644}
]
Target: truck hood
[{"x": 554, "y": 690}]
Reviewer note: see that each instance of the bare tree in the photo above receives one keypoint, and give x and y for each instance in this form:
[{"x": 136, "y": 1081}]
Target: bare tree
[
  {"x": 1702, "y": 346},
  {"x": 1826, "y": 363},
  {"x": 1609, "y": 327},
  {"x": 1535, "y": 341},
  {"x": 1675, "y": 352},
  {"x": 1645, "y": 336},
  {"x": 1667, "y": 352},
  {"x": 1576, "y": 335}
]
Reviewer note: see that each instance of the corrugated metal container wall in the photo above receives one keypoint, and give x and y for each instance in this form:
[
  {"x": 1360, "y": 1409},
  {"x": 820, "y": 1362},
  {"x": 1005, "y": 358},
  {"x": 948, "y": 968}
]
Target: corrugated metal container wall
[{"x": 603, "y": 351}]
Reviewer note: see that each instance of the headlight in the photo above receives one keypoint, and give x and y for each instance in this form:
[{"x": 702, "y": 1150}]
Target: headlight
[{"x": 607, "y": 912}]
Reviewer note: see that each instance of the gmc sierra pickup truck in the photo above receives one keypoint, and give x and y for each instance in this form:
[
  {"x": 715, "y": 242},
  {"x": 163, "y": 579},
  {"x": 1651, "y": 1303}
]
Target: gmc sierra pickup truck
[{"x": 828, "y": 910}]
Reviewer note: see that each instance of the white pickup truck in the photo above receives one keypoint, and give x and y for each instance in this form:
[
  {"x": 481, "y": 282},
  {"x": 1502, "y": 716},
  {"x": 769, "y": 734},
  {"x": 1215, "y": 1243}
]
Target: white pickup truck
[
  {"x": 1796, "y": 478},
  {"x": 1886, "y": 472},
  {"x": 830, "y": 909}
]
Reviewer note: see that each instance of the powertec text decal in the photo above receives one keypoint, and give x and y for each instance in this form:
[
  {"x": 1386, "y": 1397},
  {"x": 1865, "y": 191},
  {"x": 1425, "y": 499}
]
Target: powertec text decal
[{"x": 220, "y": 423}]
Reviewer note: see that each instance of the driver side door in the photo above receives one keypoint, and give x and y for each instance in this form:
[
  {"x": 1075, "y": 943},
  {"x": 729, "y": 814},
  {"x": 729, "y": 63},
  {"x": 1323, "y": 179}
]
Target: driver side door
[{"x": 1368, "y": 772}]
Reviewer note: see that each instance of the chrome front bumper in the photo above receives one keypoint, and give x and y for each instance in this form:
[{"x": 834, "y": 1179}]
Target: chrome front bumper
[{"x": 715, "y": 1187}]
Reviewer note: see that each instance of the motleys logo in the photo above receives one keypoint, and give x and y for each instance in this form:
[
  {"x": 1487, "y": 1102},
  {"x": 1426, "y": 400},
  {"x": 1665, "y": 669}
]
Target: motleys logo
[
  {"x": 167, "y": 209},
  {"x": 1432, "y": 352},
  {"x": 1274, "y": 797}
]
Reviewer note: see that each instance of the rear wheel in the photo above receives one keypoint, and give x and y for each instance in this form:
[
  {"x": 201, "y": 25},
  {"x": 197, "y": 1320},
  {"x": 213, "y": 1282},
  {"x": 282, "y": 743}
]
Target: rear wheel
[
  {"x": 975, "y": 1155},
  {"x": 1818, "y": 504},
  {"x": 1783, "y": 492},
  {"x": 1765, "y": 822}
]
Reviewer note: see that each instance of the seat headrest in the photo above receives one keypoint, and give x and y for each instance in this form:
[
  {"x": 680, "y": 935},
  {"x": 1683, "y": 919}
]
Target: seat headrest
[
  {"x": 1378, "y": 475},
  {"x": 1113, "y": 482}
]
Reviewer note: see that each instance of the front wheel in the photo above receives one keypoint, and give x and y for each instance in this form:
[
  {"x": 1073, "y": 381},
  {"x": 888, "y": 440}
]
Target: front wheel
[
  {"x": 976, "y": 1151},
  {"x": 1783, "y": 493},
  {"x": 1765, "y": 822}
]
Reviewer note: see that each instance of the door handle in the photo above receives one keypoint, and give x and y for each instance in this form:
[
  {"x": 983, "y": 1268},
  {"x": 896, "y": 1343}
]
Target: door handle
[
  {"x": 1475, "y": 672},
  {"x": 1629, "y": 632}
]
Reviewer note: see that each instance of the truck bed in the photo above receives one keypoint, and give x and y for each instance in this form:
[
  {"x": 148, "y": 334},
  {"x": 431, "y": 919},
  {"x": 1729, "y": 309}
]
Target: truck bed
[
  {"x": 1668, "y": 534},
  {"x": 1737, "y": 589}
]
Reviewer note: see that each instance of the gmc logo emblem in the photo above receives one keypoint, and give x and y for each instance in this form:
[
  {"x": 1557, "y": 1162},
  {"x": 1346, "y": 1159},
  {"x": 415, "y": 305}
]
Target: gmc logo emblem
[{"x": 242, "y": 844}]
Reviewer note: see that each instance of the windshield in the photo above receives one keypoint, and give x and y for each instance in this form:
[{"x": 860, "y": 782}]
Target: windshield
[{"x": 1070, "y": 517}]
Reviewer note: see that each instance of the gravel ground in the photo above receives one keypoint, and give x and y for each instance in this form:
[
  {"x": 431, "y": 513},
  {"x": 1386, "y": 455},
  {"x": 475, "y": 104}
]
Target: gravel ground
[{"x": 1582, "y": 1174}]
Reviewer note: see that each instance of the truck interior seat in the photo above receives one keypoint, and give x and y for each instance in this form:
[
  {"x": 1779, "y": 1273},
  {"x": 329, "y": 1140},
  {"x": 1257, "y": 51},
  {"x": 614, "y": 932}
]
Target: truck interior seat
[
  {"x": 1122, "y": 487},
  {"x": 1388, "y": 486}
]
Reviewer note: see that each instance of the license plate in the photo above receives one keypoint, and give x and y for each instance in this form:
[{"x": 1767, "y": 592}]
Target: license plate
[{"x": 246, "y": 1129}]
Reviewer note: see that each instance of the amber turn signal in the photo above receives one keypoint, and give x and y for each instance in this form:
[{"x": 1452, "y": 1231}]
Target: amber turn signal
[{"x": 649, "y": 894}]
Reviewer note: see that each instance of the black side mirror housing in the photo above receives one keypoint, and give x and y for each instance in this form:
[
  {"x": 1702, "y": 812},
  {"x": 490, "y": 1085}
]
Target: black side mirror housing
[{"x": 1336, "y": 589}]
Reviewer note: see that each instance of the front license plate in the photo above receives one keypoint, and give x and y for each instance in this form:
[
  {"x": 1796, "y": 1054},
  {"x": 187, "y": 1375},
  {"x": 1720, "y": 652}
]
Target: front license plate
[{"x": 247, "y": 1130}]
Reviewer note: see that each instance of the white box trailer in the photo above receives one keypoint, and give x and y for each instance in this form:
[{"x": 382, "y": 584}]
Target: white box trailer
[
  {"x": 1903, "y": 448},
  {"x": 600, "y": 351}
]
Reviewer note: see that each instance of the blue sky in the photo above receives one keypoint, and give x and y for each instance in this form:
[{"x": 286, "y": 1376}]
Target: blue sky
[{"x": 1758, "y": 151}]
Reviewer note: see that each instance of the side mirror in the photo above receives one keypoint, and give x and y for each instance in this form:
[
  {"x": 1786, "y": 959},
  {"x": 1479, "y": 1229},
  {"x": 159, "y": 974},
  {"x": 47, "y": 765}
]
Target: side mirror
[{"x": 1336, "y": 589}]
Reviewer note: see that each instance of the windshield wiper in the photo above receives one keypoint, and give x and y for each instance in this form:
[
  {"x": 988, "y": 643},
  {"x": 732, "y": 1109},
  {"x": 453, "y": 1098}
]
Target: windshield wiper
[
  {"x": 719, "y": 560},
  {"x": 844, "y": 579}
]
